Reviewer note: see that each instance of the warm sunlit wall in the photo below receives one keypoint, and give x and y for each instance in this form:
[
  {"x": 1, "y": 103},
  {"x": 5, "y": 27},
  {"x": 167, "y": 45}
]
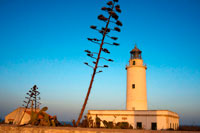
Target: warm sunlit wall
[
  {"x": 136, "y": 98},
  {"x": 162, "y": 118}
]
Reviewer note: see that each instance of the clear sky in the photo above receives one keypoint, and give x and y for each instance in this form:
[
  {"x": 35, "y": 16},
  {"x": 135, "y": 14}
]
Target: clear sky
[{"x": 42, "y": 42}]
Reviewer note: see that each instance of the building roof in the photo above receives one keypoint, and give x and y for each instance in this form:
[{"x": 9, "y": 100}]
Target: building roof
[
  {"x": 135, "y": 49},
  {"x": 134, "y": 112}
]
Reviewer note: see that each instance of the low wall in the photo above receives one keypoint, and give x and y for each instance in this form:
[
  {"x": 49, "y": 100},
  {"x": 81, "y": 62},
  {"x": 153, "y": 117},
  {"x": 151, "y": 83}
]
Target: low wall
[{"x": 38, "y": 129}]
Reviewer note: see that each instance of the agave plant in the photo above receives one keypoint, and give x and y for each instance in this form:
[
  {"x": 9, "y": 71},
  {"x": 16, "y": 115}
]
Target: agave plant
[
  {"x": 112, "y": 9},
  {"x": 36, "y": 97},
  {"x": 32, "y": 95}
]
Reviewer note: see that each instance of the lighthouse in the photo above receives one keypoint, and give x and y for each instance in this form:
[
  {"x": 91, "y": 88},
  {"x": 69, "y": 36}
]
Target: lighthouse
[
  {"x": 136, "y": 94},
  {"x": 136, "y": 113}
]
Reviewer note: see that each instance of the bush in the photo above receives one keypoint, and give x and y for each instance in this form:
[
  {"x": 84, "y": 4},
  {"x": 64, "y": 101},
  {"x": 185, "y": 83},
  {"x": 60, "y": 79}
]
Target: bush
[
  {"x": 108, "y": 124},
  {"x": 124, "y": 125},
  {"x": 87, "y": 122}
]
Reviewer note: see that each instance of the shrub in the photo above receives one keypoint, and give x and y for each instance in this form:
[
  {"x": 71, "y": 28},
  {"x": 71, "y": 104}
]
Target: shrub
[{"x": 124, "y": 125}]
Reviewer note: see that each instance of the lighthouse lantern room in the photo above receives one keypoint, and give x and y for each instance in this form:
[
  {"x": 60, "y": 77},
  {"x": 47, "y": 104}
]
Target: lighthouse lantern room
[{"x": 136, "y": 93}]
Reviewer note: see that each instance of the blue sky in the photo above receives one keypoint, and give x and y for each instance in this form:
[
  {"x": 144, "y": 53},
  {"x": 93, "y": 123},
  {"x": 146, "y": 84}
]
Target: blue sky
[{"x": 42, "y": 43}]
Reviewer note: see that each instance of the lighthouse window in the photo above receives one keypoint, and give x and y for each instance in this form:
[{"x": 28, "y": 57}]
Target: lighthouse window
[
  {"x": 133, "y": 62},
  {"x": 133, "y": 86}
]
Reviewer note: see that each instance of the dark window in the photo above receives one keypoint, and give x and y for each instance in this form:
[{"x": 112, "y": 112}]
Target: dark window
[
  {"x": 133, "y": 86},
  {"x": 154, "y": 126},
  {"x": 139, "y": 125},
  {"x": 133, "y": 62}
]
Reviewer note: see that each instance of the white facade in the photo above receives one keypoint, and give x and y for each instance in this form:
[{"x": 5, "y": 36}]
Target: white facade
[
  {"x": 149, "y": 119},
  {"x": 136, "y": 95},
  {"x": 136, "y": 113},
  {"x": 15, "y": 116}
]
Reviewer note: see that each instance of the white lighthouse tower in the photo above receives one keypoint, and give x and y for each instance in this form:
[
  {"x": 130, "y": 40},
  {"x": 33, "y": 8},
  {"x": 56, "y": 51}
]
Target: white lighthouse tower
[{"x": 136, "y": 95}]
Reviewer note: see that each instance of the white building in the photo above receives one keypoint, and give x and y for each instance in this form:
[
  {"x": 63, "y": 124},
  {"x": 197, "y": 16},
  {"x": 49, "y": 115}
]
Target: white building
[
  {"x": 16, "y": 116},
  {"x": 20, "y": 117},
  {"x": 136, "y": 112}
]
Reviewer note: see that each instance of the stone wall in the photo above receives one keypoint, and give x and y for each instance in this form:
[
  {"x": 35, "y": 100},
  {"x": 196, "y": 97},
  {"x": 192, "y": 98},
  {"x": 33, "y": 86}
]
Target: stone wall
[{"x": 32, "y": 129}]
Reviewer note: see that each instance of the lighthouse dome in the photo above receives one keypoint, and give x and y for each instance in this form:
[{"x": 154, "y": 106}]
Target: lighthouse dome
[{"x": 136, "y": 53}]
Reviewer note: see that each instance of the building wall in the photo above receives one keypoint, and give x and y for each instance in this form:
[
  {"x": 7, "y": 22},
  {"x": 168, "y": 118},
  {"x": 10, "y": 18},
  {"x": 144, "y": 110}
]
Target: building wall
[
  {"x": 25, "y": 119},
  {"x": 162, "y": 118},
  {"x": 11, "y": 117},
  {"x": 136, "y": 98},
  {"x": 16, "y": 116}
]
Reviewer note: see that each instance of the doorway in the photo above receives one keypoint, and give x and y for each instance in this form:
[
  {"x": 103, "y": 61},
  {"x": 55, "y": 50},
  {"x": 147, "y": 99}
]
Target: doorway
[{"x": 153, "y": 126}]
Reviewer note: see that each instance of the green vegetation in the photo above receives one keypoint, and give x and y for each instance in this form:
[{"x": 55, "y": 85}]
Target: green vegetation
[
  {"x": 43, "y": 119},
  {"x": 108, "y": 124},
  {"x": 98, "y": 122},
  {"x": 88, "y": 122},
  {"x": 124, "y": 125}
]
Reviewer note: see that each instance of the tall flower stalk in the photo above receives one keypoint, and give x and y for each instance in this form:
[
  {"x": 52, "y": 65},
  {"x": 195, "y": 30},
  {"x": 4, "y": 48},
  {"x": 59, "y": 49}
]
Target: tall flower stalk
[
  {"x": 111, "y": 9},
  {"x": 32, "y": 95}
]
